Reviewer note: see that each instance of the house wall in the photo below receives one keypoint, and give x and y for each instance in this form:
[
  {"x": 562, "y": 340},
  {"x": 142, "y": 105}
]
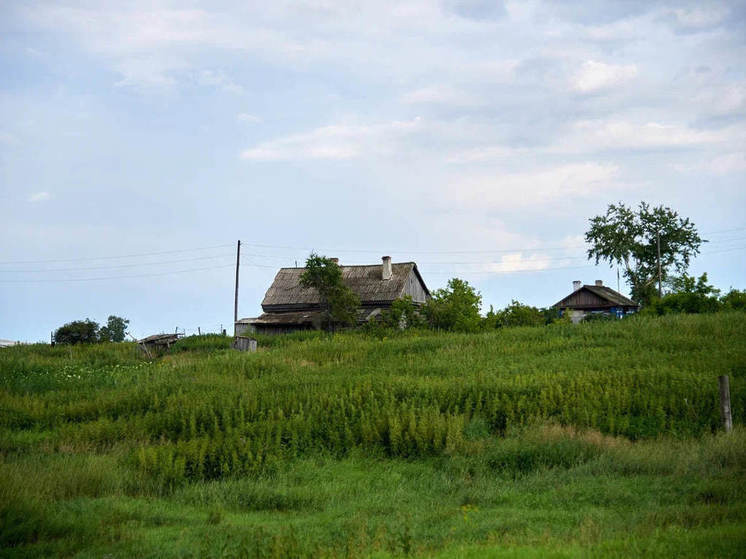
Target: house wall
[
  {"x": 414, "y": 288},
  {"x": 583, "y": 298},
  {"x": 241, "y": 328}
]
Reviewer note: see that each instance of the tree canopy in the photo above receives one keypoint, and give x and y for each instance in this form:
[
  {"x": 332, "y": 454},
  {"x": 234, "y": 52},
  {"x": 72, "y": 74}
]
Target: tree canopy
[
  {"x": 629, "y": 238},
  {"x": 455, "y": 307},
  {"x": 339, "y": 302},
  {"x": 77, "y": 332},
  {"x": 115, "y": 329},
  {"x": 88, "y": 332}
]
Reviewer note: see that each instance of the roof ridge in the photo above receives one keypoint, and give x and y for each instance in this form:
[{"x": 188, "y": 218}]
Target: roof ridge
[{"x": 348, "y": 265}]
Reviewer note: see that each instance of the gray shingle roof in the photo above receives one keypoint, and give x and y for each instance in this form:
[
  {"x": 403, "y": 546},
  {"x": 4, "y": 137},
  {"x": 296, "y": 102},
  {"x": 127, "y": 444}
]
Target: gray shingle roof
[
  {"x": 610, "y": 295},
  {"x": 365, "y": 281}
]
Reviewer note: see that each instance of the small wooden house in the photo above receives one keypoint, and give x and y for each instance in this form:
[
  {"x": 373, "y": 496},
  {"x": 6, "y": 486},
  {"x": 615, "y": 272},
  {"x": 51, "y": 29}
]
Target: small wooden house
[
  {"x": 595, "y": 299},
  {"x": 289, "y": 307}
]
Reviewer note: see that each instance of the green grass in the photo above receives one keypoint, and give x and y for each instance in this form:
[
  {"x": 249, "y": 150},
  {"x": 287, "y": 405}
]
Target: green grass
[{"x": 566, "y": 441}]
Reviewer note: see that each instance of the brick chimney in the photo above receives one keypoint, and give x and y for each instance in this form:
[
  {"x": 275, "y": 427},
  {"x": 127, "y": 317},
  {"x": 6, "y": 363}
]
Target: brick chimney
[
  {"x": 599, "y": 283},
  {"x": 335, "y": 260},
  {"x": 577, "y": 284},
  {"x": 386, "y": 268}
]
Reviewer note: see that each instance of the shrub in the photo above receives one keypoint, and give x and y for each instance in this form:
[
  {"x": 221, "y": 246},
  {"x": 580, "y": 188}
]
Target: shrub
[
  {"x": 455, "y": 307},
  {"x": 77, "y": 332}
]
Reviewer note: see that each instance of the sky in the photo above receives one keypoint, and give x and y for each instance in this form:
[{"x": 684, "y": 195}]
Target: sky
[{"x": 140, "y": 140}]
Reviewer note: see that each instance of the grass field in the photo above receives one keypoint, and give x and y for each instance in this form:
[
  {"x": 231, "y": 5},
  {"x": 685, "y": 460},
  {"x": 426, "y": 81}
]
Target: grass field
[{"x": 590, "y": 440}]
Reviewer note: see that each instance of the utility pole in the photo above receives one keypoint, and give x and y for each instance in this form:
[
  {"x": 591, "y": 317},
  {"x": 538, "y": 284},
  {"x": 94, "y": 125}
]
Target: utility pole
[
  {"x": 658, "y": 237},
  {"x": 235, "y": 299}
]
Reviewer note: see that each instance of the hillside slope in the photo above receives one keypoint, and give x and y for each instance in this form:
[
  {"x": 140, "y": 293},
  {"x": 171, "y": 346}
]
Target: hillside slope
[{"x": 524, "y": 441}]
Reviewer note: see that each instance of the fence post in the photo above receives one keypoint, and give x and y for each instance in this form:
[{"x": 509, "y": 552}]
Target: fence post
[{"x": 725, "y": 403}]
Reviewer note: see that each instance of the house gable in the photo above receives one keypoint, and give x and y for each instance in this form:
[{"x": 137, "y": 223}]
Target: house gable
[{"x": 595, "y": 297}]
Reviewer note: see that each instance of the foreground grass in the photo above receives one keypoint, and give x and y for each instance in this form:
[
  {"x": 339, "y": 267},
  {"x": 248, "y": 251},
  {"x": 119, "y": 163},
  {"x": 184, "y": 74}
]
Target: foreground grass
[
  {"x": 576, "y": 493},
  {"x": 593, "y": 440}
]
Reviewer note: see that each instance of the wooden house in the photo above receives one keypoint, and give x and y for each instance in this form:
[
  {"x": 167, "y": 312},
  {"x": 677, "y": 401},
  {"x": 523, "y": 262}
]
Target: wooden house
[
  {"x": 289, "y": 307},
  {"x": 594, "y": 299}
]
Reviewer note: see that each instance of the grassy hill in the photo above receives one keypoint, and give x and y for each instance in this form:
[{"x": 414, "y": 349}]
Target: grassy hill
[{"x": 595, "y": 439}]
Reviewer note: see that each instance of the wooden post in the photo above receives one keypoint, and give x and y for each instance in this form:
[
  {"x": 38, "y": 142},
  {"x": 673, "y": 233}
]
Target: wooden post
[
  {"x": 235, "y": 299},
  {"x": 199, "y": 331},
  {"x": 660, "y": 290},
  {"x": 725, "y": 403}
]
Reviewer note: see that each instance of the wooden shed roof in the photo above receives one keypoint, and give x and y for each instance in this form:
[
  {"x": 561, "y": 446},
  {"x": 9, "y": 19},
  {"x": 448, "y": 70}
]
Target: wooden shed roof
[
  {"x": 366, "y": 281},
  {"x": 607, "y": 295}
]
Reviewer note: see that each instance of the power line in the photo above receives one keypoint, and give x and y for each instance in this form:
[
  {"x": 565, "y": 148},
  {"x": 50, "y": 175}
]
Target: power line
[
  {"x": 114, "y": 266},
  {"x": 114, "y": 257},
  {"x": 119, "y": 277}
]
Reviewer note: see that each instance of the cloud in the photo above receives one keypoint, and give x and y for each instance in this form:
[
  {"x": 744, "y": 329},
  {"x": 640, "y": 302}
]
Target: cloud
[
  {"x": 247, "y": 117},
  {"x": 700, "y": 17},
  {"x": 39, "y": 197},
  {"x": 439, "y": 95},
  {"x": 219, "y": 80},
  {"x": 596, "y": 76},
  {"x": 535, "y": 188},
  {"x": 594, "y": 135},
  {"x": 339, "y": 141},
  {"x": 725, "y": 164},
  {"x": 481, "y": 154}
]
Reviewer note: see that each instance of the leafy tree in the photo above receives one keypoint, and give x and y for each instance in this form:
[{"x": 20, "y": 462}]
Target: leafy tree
[
  {"x": 629, "y": 238},
  {"x": 114, "y": 331},
  {"x": 689, "y": 295},
  {"x": 339, "y": 302},
  {"x": 77, "y": 332},
  {"x": 403, "y": 314},
  {"x": 734, "y": 300},
  {"x": 518, "y": 314},
  {"x": 455, "y": 307}
]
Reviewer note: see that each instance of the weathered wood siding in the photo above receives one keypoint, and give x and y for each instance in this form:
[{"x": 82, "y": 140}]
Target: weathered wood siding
[
  {"x": 584, "y": 299},
  {"x": 414, "y": 288}
]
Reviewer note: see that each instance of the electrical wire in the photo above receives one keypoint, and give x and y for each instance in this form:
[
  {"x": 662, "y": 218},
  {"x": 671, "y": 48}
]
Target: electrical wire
[
  {"x": 115, "y": 266},
  {"x": 115, "y": 257},
  {"x": 119, "y": 277}
]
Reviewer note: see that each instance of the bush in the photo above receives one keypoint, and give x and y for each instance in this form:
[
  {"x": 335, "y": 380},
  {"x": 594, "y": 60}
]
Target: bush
[
  {"x": 734, "y": 300},
  {"x": 77, "y": 332},
  {"x": 455, "y": 308},
  {"x": 518, "y": 314},
  {"x": 691, "y": 296}
]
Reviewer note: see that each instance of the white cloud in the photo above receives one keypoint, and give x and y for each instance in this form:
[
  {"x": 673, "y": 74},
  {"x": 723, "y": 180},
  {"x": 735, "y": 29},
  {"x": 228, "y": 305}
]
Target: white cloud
[
  {"x": 247, "y": 117},
  {"x": 481, "y": 154},
  {"x": 723, "y": 100},
  {"x": 342, "y": 141},
  {"x": 439, "y": 95},
  {"x": 725, "y": 164},
  {"x": 220, "y": 80},
  {"x": 39, "y": 197},
  {"x": 534, "y": 187},
  {"x": 700, "y": 17},
  {"x": 590, "y": 135},
  {"x": 729, "y": 163},
  {"x": 595, "y": 76}
]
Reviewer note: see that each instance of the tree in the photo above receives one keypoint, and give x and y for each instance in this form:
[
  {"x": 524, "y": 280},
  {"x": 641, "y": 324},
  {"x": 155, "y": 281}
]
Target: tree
[
  {"x": 734, "y": 300},
  {"x": 115, "y": 329},
  {"x": 77, "y": 332},
  {"x": 339, "y": 302},
  {"x": 518, "y": 314},
  {"x": 688, "y": 295},
  {"x": 404, "y": 313},
  {"x": 631, "y": 239},
  {"x": 455, "y": 307}
]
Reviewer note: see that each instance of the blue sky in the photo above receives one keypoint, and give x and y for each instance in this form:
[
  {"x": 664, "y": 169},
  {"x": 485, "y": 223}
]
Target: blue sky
[{"x": 139, "y": 141}]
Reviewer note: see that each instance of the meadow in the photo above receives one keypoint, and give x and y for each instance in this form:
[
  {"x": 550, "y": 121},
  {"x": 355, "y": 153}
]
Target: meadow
[{"x": 599, "y": 439}]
